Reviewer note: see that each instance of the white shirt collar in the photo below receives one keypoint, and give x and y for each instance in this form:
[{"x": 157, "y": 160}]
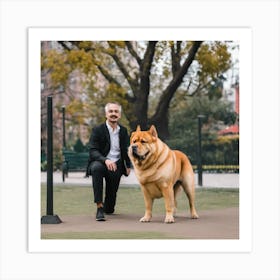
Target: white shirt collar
[{"x": 111, "y": 129}]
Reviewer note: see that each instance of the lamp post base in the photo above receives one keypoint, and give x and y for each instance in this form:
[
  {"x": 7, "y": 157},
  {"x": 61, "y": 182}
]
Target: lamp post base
[{"x": 50, "y": 219}]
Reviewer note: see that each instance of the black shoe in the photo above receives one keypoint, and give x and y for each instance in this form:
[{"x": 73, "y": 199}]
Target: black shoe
[
  {"x": 109, "y": 211},
  {"x": 100, "y": 214}
]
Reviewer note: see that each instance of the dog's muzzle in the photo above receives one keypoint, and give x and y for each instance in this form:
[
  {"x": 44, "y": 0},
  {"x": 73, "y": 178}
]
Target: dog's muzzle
[{"x": 136, "y": 155}]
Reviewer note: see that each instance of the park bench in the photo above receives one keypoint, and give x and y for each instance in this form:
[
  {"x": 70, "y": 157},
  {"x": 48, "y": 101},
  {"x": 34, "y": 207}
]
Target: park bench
[{"x": 73, "y": 162}]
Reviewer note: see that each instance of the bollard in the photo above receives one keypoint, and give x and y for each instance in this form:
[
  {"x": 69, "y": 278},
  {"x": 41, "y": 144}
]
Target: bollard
[{"x": 50, "y": 218}]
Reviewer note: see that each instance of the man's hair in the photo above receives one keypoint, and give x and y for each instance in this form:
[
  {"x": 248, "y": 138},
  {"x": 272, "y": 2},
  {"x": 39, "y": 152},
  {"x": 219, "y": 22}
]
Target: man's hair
[{"x": 110, "y": 103}]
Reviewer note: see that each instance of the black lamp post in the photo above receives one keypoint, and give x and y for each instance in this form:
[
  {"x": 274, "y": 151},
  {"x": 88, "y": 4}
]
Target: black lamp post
[
  {"x": 199, "y": 151},
  {"x": 63, "y": 127},
  {"x": 50, "y": 218}
]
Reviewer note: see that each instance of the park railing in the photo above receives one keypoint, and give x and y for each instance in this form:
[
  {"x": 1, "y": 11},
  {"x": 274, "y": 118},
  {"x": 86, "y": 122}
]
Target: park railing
[{"x": 218, "y": 168}]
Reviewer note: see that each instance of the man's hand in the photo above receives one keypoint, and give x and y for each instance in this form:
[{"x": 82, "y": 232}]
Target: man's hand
[
  {"x": 111, "y": 165},
  {"x": 128, "y": 171}
]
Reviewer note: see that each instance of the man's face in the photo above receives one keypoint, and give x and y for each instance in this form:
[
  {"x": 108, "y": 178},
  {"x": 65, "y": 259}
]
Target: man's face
[{"x": 113, "y": 113}]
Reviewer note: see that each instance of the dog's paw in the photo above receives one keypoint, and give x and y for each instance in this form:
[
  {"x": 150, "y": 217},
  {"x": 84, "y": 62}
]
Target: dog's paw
[
  {"x": 145, "y": 219},
  {"x": 194, "y": 216},
  {"x": 169, "y": 219}
]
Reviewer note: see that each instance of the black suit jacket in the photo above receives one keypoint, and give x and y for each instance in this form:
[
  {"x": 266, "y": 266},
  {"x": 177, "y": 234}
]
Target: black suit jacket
[{"x": 99, "y": 146}]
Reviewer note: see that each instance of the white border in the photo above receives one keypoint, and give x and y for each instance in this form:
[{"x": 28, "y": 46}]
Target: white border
[
  {"x": 243, "y": 36},
  {"x": 262, "y": 16}
]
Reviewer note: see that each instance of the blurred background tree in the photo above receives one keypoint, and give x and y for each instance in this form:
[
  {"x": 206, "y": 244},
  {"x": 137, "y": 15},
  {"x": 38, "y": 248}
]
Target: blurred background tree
[{"x": 165, "y": 83}]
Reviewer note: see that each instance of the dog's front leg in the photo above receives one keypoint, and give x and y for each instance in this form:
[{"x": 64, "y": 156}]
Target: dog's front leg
[
  {"x": 148, "y": 207},
  {"x": 168, "y": 195}
]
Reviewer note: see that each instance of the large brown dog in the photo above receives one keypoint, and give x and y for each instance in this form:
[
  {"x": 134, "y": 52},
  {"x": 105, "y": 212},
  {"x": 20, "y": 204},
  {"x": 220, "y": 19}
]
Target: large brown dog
[{"x": 160, "y": 171}]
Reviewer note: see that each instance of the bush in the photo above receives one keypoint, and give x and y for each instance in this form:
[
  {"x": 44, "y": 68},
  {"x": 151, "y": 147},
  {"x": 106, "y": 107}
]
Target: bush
[
  {"x": 220, "y": 151},
  {"x": 79, "y": 147}
]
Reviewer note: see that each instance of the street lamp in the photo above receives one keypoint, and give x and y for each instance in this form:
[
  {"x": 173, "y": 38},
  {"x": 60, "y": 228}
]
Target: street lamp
[
  {"x": 199, "y": 150},
  {"x": 50, "y": 218},
  {"x": 63, "y": 127}
]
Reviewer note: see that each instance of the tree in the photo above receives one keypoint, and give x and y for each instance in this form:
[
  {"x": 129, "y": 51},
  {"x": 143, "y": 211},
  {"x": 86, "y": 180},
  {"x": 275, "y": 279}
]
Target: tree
[
  {"x": 217, "y": 113},
  {"x": 134, "y": 73}
]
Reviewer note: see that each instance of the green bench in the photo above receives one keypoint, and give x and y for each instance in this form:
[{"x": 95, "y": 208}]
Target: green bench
[{"x": 73, "y": 162}]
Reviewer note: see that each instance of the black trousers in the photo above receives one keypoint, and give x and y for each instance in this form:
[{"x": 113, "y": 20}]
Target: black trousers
[{"x": 99, "y": 172}]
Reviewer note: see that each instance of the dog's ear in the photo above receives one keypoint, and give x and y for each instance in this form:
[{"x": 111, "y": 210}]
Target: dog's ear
[
  {"x": 132, "y": 134},
  {"x": 138, "y": 128},
  {"x": 153, "y": 131}
]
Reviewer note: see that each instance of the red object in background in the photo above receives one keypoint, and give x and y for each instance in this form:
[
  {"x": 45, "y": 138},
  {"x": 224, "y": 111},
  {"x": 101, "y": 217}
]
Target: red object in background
[{"x": 233, "y": 129}]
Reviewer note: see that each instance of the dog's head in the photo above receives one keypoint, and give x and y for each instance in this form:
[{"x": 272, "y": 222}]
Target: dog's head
[{"x": 143, "y": 144}]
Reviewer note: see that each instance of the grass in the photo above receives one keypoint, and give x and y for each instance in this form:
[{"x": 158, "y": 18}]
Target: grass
[
  {"x": 73, "y": 200},
  {"x": 106, "y": 235}
]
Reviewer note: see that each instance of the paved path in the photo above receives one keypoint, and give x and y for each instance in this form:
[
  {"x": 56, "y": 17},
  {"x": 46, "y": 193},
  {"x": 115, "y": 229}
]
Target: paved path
[
  {"x": 209, "y": 180},
  {"x": 212, "y": 224}
]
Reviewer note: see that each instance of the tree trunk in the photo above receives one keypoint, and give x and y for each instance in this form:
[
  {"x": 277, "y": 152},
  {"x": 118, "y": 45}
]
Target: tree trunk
[
  {"x": 160, "y": 118},
  {"x": 140, "y": 104},
  {"x": 161, "y": 124},
  {"x": 139, "y": 112}
]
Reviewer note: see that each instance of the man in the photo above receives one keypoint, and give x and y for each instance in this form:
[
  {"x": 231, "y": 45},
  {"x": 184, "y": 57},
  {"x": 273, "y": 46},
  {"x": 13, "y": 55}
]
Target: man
[{"x": 108, "y": 159}]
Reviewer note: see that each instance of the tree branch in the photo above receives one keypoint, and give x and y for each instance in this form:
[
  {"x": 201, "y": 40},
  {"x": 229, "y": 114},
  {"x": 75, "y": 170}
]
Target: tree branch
[
  {"x": 132, "y": 82},
  {"x": 175, "y": 57},
  {"x": 111, "y": 79},
  {"x": 133, "y": 52},
  {"x": 107, "y": 75},
  {"x": 146, "y": 65},
  {"x": 64, "y": 45},
  {"x": 175, "y": 82}
]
